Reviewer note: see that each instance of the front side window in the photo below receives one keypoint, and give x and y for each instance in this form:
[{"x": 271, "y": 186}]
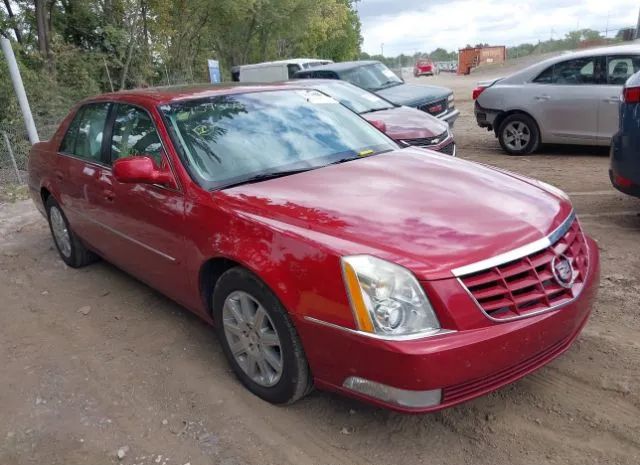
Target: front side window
[
  {"x": 134, "y": 134},
  {"x": 579, "y": 71},
  {"x": 372, "y": 77},
  {"x": 84, "y": 136},
  {"x": 230, "y": 139},
  {"x": 620, "y": 68}
]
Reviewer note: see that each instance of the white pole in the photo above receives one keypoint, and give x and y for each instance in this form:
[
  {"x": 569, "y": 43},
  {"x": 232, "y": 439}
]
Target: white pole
[{"x": 14, "y": 72}]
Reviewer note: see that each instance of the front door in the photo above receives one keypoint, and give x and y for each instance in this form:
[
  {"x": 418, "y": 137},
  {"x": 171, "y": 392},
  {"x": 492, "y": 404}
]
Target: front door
[
  {"x": 564, "y": 101},
  {"x": 145, "y": 221}
]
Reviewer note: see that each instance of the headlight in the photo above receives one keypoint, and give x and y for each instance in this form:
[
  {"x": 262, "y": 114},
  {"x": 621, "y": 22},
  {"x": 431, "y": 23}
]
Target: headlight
[
  {"x": 386, "y": 298},
  {"x": 450, "y": 98}
]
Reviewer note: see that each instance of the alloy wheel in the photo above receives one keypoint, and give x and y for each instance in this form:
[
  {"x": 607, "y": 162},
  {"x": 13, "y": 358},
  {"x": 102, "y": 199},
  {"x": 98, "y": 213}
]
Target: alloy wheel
[
  {"x": 516, "y": 135},
  {"x": 60, "y": 231},
  {"x": 253, "y": 339}
]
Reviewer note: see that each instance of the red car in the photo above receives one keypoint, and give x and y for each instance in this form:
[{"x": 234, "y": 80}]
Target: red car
[
  {"x": 405, "y": 125},
  {"x": 425, "y": 68},
  {"x": 324, "y": 254}
]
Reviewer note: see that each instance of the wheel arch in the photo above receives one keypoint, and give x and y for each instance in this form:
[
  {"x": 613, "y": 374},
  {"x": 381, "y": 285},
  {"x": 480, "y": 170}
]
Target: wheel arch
[
  {"x": 45, "y": 193},
  {"x": 210, "y": 272}
]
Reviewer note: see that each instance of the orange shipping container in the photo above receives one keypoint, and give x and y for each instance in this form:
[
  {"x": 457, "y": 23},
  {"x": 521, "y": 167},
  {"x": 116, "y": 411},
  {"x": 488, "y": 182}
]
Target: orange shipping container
[{"x": 469, "y": 58}]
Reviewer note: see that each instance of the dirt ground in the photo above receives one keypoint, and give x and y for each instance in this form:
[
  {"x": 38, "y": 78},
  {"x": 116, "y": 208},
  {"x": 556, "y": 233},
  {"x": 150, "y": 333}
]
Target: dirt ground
[{"x": 93, "y": 361}]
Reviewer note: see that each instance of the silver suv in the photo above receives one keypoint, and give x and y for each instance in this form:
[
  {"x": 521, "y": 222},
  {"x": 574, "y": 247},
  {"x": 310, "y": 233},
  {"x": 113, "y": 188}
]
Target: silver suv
[{"x": 569, "y": 99}]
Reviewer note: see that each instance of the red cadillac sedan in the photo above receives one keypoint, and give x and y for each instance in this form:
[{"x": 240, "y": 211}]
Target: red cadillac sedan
[{"x": 323, "y": 253}]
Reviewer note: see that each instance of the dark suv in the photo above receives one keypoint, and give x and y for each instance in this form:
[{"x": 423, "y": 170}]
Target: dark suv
[
  {"x": 377, "y": 78},
  {"x": 625, "y": 146}
]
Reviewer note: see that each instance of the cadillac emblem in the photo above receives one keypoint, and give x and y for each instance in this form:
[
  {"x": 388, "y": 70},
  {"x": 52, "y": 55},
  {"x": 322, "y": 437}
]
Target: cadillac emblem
[{"x": 562, "y": 271}]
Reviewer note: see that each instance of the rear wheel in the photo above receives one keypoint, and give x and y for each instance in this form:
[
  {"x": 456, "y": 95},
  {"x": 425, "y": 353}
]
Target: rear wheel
[
  {"x": 519, "y": 135},
  {"x": 259, "y": 339},
  {"x": 71, "y": 249}
]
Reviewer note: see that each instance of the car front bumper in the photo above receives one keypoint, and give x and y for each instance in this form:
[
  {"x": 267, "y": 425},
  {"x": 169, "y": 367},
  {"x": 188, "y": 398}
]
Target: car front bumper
[
  {"x": 453, "y": 366},
  {"x": 450, "y": 116}
]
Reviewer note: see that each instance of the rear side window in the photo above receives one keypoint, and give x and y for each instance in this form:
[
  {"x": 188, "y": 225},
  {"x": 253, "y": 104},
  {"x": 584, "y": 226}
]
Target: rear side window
[
  {"x": 620, "y": 68},
  {"x": 579, "y": 71},
  {"x": 69, "y": 141},
  {"x": 134, "y": 134},
  {"x": 84, "y": 136},
  {"x": 325, "y": 75}
]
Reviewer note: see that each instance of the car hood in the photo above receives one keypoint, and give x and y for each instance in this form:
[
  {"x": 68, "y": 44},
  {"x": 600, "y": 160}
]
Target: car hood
[
  {"x": 426, "y": 211},
  {"x": 408, "y": 123},
  {"x": 413, "y": 95}
]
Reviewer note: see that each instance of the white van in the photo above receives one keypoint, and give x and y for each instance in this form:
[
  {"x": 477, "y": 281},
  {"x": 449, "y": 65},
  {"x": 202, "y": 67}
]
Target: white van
[{"x": 275, "y": 71}]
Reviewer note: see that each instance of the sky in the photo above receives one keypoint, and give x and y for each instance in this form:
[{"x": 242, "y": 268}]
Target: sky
[{"x": 407, "y": 26}]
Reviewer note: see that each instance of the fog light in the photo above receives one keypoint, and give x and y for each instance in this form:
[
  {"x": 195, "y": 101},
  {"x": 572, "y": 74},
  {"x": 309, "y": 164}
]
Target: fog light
[{"x": 391, "y": 395}]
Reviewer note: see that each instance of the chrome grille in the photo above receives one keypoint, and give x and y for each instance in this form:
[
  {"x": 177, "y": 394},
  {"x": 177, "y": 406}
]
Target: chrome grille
[
  {"x": 528, "y": 285},
  {"x": 434, "y": 108},
  {"x": 427, "y": 141}
]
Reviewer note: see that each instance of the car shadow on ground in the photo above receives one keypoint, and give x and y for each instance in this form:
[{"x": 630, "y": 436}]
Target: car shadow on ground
[{"x": 573, "y": 150}]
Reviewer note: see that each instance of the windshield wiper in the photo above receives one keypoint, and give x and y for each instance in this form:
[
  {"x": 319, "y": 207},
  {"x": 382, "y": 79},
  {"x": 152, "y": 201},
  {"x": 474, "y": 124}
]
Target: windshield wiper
[
  {"x": 373, "y": 110},
  {"x": 265, "y": 176},
  {"x": 389, "y": 83}
]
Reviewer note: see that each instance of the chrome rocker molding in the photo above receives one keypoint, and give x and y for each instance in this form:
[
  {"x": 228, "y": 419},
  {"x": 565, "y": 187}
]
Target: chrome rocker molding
[
  {"x": 407, "y": 337},
  {"x": 520, "y": 252},
  {"x": 123, "y": 235}
]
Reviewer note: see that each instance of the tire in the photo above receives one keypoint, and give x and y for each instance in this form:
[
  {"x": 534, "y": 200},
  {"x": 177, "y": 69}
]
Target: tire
[
  {"x": 518, "y": 134},
  {"x": 71, "y": 250},
  {"x": 239, "y": 291}
]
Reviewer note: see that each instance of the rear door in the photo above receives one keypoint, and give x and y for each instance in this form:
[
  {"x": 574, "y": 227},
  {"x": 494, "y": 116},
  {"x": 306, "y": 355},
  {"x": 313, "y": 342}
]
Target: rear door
[
  {"x": 564, "y": 100},
  {"x": 79, "y": 169},
  {"x": 618, "y": 69}
]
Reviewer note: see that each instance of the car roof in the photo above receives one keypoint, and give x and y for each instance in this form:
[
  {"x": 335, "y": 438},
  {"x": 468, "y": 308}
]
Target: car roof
[
  {"x": 296, "y": 61},
  {"x": 342, "y": 66},
  {"x": 533, "y": 70},
  {"x": 160, "y": 95}
]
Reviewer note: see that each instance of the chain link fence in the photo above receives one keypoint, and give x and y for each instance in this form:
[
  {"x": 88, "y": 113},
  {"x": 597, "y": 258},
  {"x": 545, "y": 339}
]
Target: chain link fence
[{"x": 14, "y": 152}]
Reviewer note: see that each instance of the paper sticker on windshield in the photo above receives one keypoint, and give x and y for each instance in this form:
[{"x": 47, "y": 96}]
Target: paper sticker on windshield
[
  {"x": 202, "y": 130},
  {"x": 364, "y": 153},
  {"x": 389, "y": 73},
  {"x": 315, "y": 97}
]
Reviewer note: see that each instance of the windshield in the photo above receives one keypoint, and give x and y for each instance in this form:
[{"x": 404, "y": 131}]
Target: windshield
[
  {"x": 372, "y": 77},
  {"x": 230, "y": 139},
  {"x": 352, "y": 97}
]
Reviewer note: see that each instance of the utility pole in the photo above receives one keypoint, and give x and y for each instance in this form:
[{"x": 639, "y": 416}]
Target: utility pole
[
  {"x": 637, "y": 36},
  {"x": 18, "y": 88},
  {"x": 382, "y": 49}
]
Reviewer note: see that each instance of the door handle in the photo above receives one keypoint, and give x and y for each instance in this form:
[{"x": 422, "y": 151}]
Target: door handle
[
  {"x": 59, "y": 176},
  {"x": 542, "y": 98},
  {"x": 108, "y": 195}
]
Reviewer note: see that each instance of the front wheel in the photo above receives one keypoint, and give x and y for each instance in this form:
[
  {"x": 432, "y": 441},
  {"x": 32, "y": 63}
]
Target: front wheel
[
  {"x": 519, "y": 135},
  {"x": 258, "y": 338}
]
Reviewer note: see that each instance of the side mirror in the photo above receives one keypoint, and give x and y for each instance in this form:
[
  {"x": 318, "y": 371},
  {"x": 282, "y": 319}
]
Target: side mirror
[{"x": 141, "y": 170}]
